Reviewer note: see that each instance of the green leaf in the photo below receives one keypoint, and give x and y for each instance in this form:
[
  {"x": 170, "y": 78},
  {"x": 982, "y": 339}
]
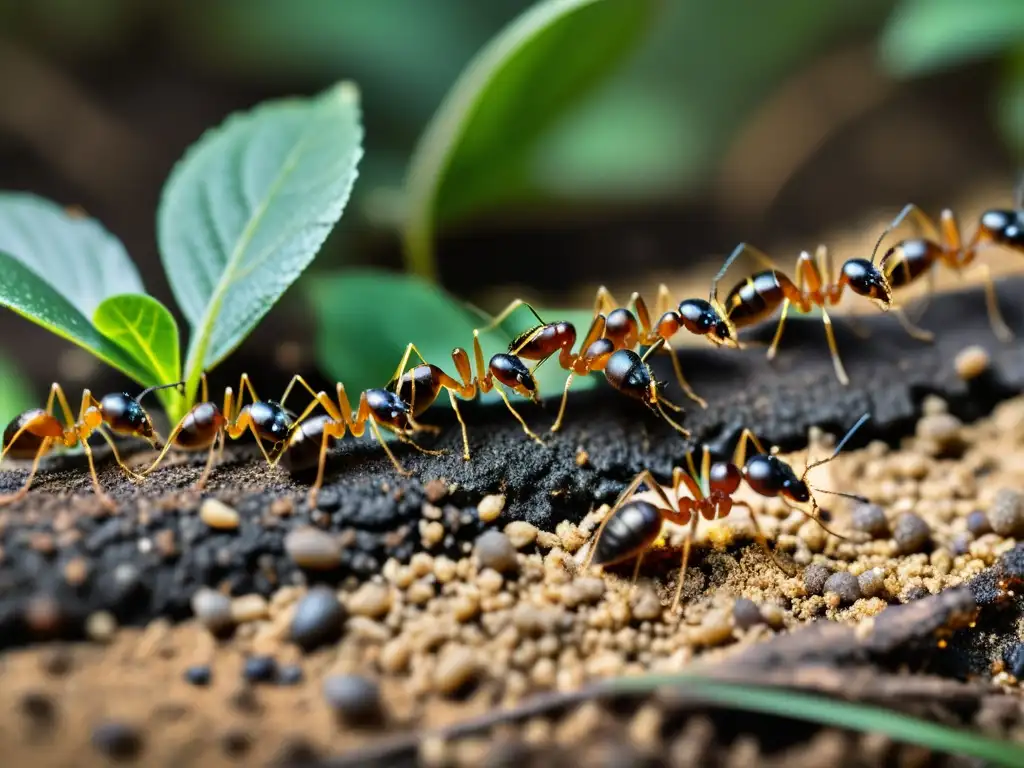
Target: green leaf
[
  {"x": 841, "y": 714},
  {"x": 365, "y": 319},
  {"x": 475, "y": 149},
  {"x": 145, "y": 329},
  {"x": 15, "y": 395},
  {"x": 1010, "y": 104},
  {"x": 928, "y": 35},
  {"x": 34, "y": 298},
  {"x": 247, "y": 209}
]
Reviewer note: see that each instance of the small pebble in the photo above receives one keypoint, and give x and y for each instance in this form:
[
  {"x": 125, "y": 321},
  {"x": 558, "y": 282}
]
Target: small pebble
[
  {"x": 318, "y": 620},
  {"x": 216, "y": 514},
  {"x": 289, "y": 674},
  {"x": 101, "y": 626},
  {"x": 870, "y": 519},
  {"x": 260, "y": 669},
  {"x": 39, "y": 708},
  {"x": 312, "y": 548},
  {"x": 745, "y": 613},
  {"x": 961, "y": 543},
  {"x": 871, "y": 582},
  {"x": 249, "y": 608},
  {"x": 845, "y": 585},
  {"x": 490, "y": 507},
  {"x": 199, "y": 675},
  {"x": 910, "y": 533},
  {"x": 942, "y": 429},
  {"x": 119, "y": 741},
  {"x": 585, "y": 590},
  {"x": 1007, "y": 513},
  {"x": 353, "y": 698},
  {"x": 213, "y": 609},
  {"x": 646, "y": 605},
  {"x": 914, "y": 592},
  {"x": 521, "y": 533},
  {"x": 457, "y": 667},
  {"x": 815, "y": 576},
  {"x": 1013, "y": 657},
  {"x": 971, "y": 362},
  {"x": 235, "y": 742},
  {"x": 494, "y": 550},
  {"x": 372, "y": 600},
  {"x": 978, "y": 523}
]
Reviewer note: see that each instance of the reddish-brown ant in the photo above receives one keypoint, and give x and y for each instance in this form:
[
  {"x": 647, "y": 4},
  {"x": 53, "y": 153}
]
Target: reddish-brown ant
[
  {"x": 36, "y": 432},
  {"x": 623, "y": 368},
  {"x": 205, "y": 426},
  {"x": 757, "y": 297},
  {"x": 909, "y": 260},
  {"x": 633, "y": 525}
]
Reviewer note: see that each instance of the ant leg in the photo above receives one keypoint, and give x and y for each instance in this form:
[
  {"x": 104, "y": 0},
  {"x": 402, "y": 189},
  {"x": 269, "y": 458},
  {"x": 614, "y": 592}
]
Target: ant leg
[
  {"x": 105, "y": 500},
  {"x": 117, "y": 456},
  {"x": 922, "y": 219},
  {"x": 762, "y": 539},
  {"x": 913, "y": 330},
  {"x": 636, "y": 573},
  {"x": 764, "y": 259},
  {"x": 337, "y": 431},
  {"x": 216, "y": 447},
  {"x": 462, "y": 424},
  {"x": 380, "y": 439},
  {"x": 672, "y": 422},
  {"x": 739, "y": 457},
  {"x": 664, "y": 301},
  {"x": 506, "y": 312},
  {"x": 44, "y": 446},
  {"x": 561, "y": 408},
  {"x": 834, "y": 349},
  {"x": 678, "y": 368},
  {"x": 694, "y": 521},
  {"x": 995, "y": 315},
  {"x": 604, "y": 302},
  {"x": 522, "y": 422},
  {"x": 778, "y": 330},
  {"x": 404, "y": 438}
]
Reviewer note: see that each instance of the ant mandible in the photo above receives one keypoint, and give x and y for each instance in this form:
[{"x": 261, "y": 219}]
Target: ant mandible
[
  {"x": 757, "y": 297},
  {"x": 624, "y": 369},
  {"x": 633, "y": 525},
  {"x": 206, "y": 427},
  {"x": 34, "y": 433},
  {"x": 909, "y": 260}
]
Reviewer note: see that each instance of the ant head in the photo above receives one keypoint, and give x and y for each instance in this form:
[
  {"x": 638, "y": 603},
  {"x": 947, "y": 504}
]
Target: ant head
[
  {"x": 630, "y": 375},
  {"x": 513, "y": 373},
  {"x": 1003, "y": 227},
  {"x": 124, "y": 415},
  {"x": 701, "y": 318},
  {"x": 270, "y": 420},
  {"x": 865, "y": 279},
  {"x": 770, "y": 476},
  {"x": 388, "y": 408}
]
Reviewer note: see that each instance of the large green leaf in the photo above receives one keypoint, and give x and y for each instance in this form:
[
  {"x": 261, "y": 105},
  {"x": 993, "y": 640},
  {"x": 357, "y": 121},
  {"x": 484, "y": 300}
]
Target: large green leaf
[
  {"x": 248, "y": 207},
  {"x": 927, "y": 35},
  {"x": 145, "y": 328},
  {"x": 367, "y": 317},
  {"x": 15, "y": 396},
  {"x": 474, "y": 151},
  {"x": 32, "y": 297}
]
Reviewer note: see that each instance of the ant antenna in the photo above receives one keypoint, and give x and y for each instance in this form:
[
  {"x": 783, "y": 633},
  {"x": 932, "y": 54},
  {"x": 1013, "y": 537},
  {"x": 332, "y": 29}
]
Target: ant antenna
[
  {"x": 878, "y": 243},
  {"x": 842, "y": 443},
  {"x": 853, "y": 496},
  {"x": 179, "y": 384}
]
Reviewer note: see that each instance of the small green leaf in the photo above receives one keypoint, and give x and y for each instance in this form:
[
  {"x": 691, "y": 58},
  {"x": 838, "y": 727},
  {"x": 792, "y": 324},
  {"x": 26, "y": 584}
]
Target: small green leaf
[
  {"x": 26, "y": 293},
  {"x": 145, "y": 329},
  {"x": 365, "y": 319},
  {"x": 15, "y": 395},
  {"x": 474, "y": 152},
  {"x": 247, "y": 209},
  {"x": 928, "y": 35}
]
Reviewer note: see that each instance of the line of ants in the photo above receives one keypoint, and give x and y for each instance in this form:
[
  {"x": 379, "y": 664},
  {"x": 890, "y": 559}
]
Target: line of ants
[{"x": 608, "y": 347}]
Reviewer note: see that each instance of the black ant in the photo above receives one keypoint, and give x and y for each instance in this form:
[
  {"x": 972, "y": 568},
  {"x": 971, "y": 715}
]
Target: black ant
[
  {"x": 908, "y": 260},
  {"x": 407, "y": 396},
  {"x": 633, "y": 525},
  {"x": 206, "y": 427},
  {"x": 623, "y": 368},
  {"x": 757, "y": 297},
  {"x": 36, "y": 432}
]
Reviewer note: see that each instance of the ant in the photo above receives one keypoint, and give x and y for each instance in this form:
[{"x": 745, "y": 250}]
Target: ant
[
  {"x": 633, "y": 525},
  {"x": 34, "y": 433},
  {"x": 908, "y": 260},
  {"x": 407, "y": 396},
  {"x": 623, "y": 368},
  {"x": 757, "y": 297},
  {"x": 206, "y": 427}
]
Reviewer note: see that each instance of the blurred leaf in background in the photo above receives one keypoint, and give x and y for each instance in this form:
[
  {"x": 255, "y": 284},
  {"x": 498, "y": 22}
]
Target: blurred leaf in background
[
  {"x": 927, "y": 36},
  {"x": 15, "y": 394},
  {"x": 367, "y": 317}
]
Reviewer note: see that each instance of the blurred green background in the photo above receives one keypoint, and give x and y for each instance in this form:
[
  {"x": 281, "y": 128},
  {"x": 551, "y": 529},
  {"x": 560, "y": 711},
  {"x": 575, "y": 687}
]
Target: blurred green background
[{"x": 636, "y": 145}]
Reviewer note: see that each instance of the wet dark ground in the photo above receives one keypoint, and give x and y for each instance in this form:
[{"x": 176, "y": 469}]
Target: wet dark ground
[{"x": 149, "y": 558}]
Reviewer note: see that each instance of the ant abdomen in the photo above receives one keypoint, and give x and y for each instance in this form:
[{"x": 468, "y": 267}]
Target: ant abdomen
[
  {"x": 419, "y": 387},
  {"x": 123, "y": 414},
  {"x": 36, "y": 425},
  {"x": 305, "y": 442},
  {"x": 269, "y": 419},
  {"x": 200, "y": 427},
  {"x": 388, "y": 408},
  {"x": 632, "y": 528},
  {"x": 909, "y": 259},
  {"x": 629, "y": 374},
  {"x": 543, "y": 341},
  {"x": 757, "y": 297},
  {"x": 1004, "y": 227},
  {"x": 512, "y": 372}
]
